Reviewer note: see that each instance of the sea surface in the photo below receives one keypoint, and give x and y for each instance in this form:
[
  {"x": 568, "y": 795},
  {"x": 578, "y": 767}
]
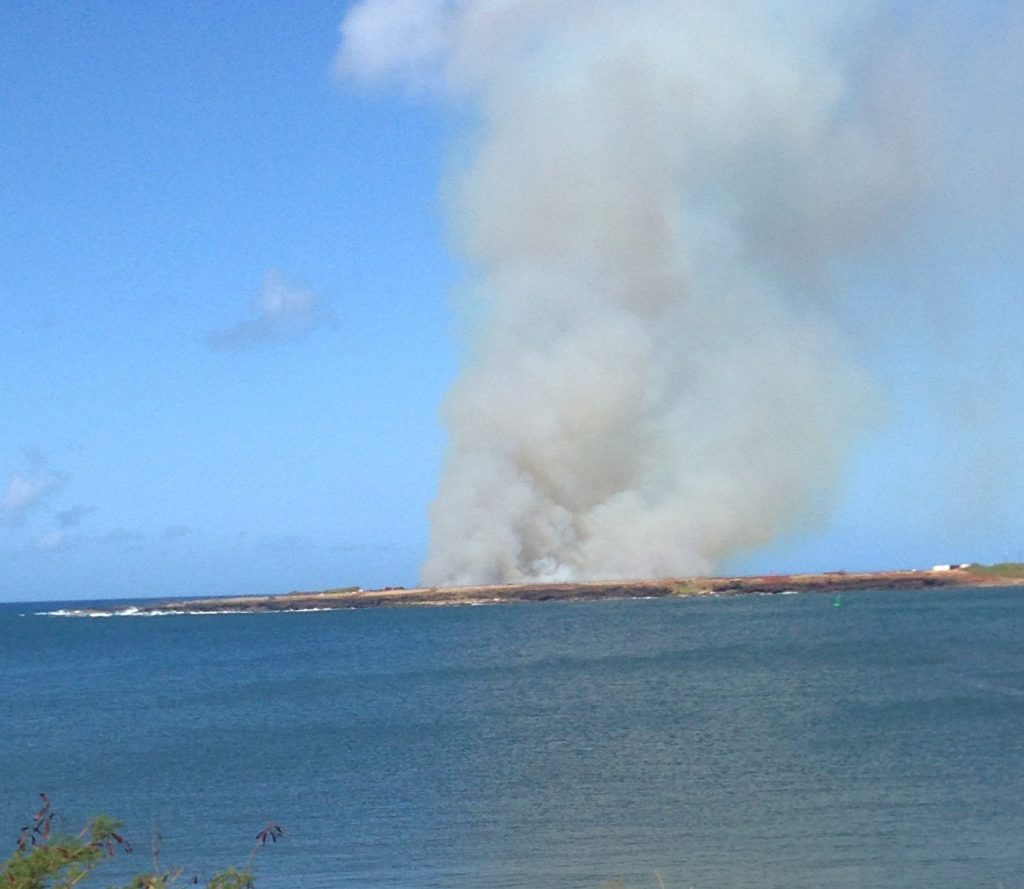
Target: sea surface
[{"x": 753, "y": 741}]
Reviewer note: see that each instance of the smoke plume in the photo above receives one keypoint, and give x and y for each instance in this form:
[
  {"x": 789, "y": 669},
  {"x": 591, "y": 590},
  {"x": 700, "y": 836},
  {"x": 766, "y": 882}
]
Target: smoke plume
[{"x": 652, "y": 205}]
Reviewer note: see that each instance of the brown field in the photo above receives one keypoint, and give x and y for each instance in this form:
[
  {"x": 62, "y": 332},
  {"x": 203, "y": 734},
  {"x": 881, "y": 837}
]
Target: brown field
[{"x": 828, "y": 582}]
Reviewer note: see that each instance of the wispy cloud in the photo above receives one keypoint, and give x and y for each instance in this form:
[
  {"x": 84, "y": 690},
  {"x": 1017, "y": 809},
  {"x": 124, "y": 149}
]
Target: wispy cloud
[
  {"x": 66, "y": 537},
  {"x": 54, "y": 541},
  {"x": 24, "y": 492},
  {"x": 121, "y": 535},
  {"x": 281, "y": 312},
  {"x": 71, "y": 518},
  {"x": 175, "y": 532}
]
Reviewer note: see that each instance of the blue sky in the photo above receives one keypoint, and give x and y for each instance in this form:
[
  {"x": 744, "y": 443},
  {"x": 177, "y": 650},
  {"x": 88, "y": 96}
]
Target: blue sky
[
  {"x": 160, "y": 164},
  {"x": 225, "y": 326}
]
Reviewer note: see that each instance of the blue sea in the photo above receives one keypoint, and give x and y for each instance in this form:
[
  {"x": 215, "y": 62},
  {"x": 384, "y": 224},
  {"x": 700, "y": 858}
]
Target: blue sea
[{"x": 775, "y": 741}]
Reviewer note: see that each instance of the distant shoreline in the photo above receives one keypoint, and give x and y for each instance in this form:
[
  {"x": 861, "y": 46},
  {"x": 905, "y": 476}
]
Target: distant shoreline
[{"x": 395, "y": 597}]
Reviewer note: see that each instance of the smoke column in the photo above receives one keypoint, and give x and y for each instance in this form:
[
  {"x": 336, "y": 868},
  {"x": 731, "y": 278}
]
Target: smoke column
[{"x": 651, "y": 206}]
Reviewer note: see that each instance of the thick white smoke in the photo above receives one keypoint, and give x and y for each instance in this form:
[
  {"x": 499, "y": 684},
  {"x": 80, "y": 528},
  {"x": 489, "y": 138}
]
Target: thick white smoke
[{"x": 652, "y": 205}]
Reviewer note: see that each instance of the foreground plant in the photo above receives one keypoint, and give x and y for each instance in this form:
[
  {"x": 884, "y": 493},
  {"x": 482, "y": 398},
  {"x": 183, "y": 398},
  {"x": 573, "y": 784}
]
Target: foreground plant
[{"x": 43, "y": 859}]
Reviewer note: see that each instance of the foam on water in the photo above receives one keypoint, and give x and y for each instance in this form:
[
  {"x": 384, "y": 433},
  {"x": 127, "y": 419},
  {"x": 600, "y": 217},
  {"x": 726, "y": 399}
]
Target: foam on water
[{"x": 134, "y": 611}]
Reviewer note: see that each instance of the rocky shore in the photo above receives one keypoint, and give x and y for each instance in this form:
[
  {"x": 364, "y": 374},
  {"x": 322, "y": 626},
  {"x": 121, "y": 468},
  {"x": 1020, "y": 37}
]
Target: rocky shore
[{"x": 392, "y": 597}]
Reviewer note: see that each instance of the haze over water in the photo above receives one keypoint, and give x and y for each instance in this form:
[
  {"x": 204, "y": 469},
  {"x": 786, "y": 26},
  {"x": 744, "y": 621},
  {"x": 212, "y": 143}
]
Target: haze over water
[{"x": 750, "y": 741}]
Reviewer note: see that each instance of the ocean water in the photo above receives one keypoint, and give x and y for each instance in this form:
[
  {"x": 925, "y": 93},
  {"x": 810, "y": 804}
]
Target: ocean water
[{"x": 737, "y": 742}]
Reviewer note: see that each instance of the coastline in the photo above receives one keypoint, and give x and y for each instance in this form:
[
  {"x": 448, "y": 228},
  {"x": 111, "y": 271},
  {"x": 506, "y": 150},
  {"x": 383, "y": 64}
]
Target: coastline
[{"x": 832, "y": 582}]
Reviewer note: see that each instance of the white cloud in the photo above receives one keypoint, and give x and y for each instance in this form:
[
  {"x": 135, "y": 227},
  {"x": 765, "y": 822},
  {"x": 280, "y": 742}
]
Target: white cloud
[
  {"x": 281, "y": 312},
  {"x": 24, "y": 492},
  {"x": 381, "y": 37}
]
